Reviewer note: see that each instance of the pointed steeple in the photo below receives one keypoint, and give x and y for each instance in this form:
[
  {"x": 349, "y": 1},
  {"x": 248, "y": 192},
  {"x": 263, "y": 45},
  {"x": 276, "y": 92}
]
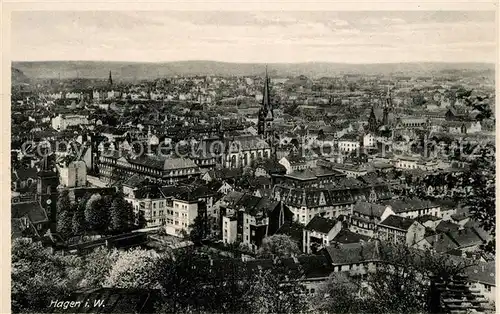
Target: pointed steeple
[
  {"x": 110, "y": 79},
  {"x": 372, "y": 121},
  {"x": 266, "y": 95}
]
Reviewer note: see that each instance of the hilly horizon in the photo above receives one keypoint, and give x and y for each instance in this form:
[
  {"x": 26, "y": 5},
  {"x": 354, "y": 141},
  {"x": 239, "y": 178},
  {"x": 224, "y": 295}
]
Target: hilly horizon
[{"x": 152, "y": 70}]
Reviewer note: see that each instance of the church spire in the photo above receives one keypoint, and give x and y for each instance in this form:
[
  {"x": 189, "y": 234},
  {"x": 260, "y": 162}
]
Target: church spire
[
  {"x": 266, "y": 95},
  {"x": 110, "y": 79}
]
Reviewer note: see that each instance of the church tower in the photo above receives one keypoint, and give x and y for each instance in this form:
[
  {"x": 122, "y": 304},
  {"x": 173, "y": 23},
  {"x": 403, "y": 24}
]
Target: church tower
[
  {"x": 372, "y": 122},
  {"x": 110, "y": 79},
  {"x": 46, "y": 192},
  {"x": 387, "y": 108},
  {"x": 266, "y": 115}
]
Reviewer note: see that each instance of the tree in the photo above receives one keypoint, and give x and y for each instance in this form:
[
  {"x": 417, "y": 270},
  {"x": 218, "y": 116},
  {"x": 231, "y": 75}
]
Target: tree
[
  {"x": 479, "y": 182},
  {"x": 198, "y": 229},
  {"x": 141, "y": 220},
  {"x": 400, "y": 283},
  {"x": 292, "y": 109},
  {"x": 119, "y": 216},
  {"x": 39, "y": 276},
  {"x": 65, "y": 224},
  {"x": 78, "y": 223},
  {"x": 419, "y": 100},
  {"x": 134, "y": 269},
  {"x": 190, "y": 284},
  {"x": 63, "y": 202},
  {"x": 479, "y": 103},
  {"x": 97, "y": 266},
  {"x": 96, "y": 214},
  {"x": 340, "y": 294},
  {"x": 276, "y": 290},
  {"x": 278, "y": 245}
]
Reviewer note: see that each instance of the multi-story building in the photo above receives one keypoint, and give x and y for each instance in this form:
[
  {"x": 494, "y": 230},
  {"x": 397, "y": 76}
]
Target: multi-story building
[
  {"x": 412, "y": 207},
  {"x": 329, "y": 202},
  {"x": 62, "y": 122},
  {"x": 319, "y": 232},
  {"x": 163, "y": 169},
  {"x": 242, "y": 151},
  {"x": 397, "y": 229},
  {"x": 74, "y": 174},
  {"x": 349, "y": 143},
  {"x": 365, "y": 217},
  {"x": 176, "y": 214},
  {"x": 309, "y": 177},
  {"x": 249, "y": 219}
]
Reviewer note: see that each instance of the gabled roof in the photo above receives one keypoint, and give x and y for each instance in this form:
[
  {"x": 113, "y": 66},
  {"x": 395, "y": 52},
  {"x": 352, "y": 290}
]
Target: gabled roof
[
  {"x": 483, "y": 273},
  {"x": 405, "y": 205},
  {"x": 252, "y": 205},
  {"x": 466, "y": 237},
  {"x": 321, "y": 224},
  {"x": 149, "y": 192},
  {"x": 134, "y": 181},
  {"x": 425, "y": 218},
  {"x": 397, "y": 222},
  {"x": 346, "y": 236},
  {"x": 163, "y": 163},
  {"x": 32, "y": 210},
  {"x": 369, "y": 209},
  {"x": 353, "y": 253},
  {"x": 25, "y": 173},
  {"x": 445, "y": 226}
]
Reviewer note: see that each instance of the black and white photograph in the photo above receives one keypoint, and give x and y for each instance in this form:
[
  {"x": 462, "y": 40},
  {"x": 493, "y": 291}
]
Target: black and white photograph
[{"x": 252, "y": 161}]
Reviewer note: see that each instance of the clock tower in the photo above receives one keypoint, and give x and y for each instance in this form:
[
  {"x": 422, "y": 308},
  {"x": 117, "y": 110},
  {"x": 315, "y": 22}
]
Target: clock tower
[{"x": 47, "y": 182}]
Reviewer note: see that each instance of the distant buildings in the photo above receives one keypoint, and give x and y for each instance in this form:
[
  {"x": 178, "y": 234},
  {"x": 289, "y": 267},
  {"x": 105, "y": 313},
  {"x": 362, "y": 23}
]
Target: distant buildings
[{"x": 62, "y": 122}]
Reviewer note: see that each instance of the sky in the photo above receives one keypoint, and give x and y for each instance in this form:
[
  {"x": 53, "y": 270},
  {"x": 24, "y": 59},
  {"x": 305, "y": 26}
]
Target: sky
[{"x": 245, "y": 36}]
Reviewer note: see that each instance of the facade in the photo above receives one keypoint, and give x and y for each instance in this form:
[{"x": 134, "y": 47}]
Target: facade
[
  {"x": 413, "y": 207},
  {"x": 158, "y": 168},
  {"x": 397, "y": 229},
  {"x": 62, "y": 122},
  {"x": 366, "y": 216},
  {"x": 349, "y": 143},
  {"x": 73, "y": 175},
  {"x": 368, "y": 140},
  {"x": 319, "y": 232},
  {"x": 292, "y": 163},
  {"x": 249, "y": 219},
  {"x": 174, "y": 214},
  {"x": 242, "y": 151},
  {"x": 305, "y": 203}
]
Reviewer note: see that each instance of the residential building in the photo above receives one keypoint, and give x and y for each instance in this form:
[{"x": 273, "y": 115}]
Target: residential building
[
  {"x": 62, "y": 122},
  {"x": 74, "y": 174},
  {"x": 319, "y": 232},
  {"x": 397, "y": 229},
  {"x": 254, "y": 217},
  {"x": 349, "y": 143},
  {"x": 163, "y": 169},
  {"x": 366, "y": 216}
]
